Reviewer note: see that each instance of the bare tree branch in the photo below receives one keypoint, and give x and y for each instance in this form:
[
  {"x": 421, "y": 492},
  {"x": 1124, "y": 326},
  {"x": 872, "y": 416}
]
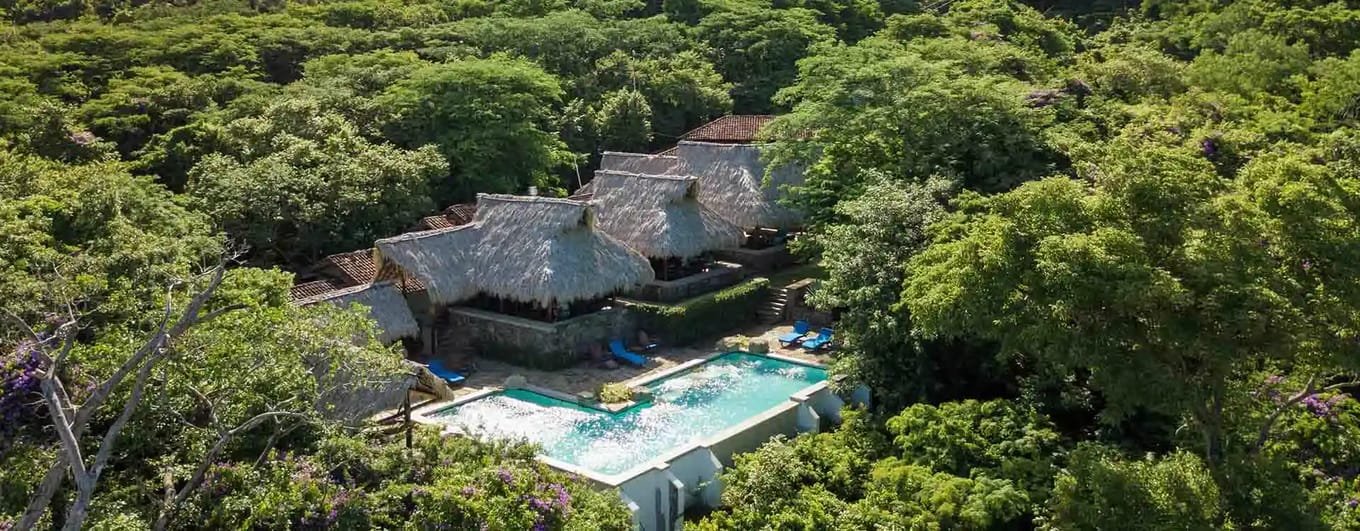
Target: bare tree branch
[
  {"x": 1269, "y": 424},
  {"x": 71, "y": 422}
]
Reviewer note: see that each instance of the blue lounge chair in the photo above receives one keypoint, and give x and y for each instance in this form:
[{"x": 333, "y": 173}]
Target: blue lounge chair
[
  {"x": 453, "y": 378},
  {"x": 823, "y": 339},
  {"x": 617, "y": 349},
  {"x": 800, "y": 329}
]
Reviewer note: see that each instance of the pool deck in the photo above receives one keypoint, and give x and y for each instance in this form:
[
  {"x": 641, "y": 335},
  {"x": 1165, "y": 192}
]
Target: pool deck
[{"x": 584, "y": 378}]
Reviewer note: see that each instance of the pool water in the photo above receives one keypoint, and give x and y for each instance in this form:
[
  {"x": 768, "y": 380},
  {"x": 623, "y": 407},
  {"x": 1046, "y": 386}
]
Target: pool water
[{"x": 694, "y": 404}]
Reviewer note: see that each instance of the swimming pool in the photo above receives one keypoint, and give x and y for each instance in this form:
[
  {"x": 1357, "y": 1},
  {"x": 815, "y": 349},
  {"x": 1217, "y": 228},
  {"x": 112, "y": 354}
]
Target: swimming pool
[{"x": 693, "y": 404}]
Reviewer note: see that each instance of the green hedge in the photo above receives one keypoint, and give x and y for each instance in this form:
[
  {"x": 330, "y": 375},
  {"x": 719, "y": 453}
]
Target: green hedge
[{"x": 705, "y": 316}]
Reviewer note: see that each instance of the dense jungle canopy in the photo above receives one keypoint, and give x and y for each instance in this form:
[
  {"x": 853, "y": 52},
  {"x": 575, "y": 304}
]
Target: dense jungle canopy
[{"x": 1099, "y": 261}]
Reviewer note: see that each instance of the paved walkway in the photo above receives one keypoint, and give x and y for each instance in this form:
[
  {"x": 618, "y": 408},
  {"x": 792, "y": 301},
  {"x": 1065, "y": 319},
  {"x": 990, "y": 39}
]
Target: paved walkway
[{"x": 584, "y": 378}]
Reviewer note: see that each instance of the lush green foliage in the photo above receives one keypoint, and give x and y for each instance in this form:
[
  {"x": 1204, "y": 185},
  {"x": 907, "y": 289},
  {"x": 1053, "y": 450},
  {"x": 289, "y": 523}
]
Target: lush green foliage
[
  {"x": 1099, "y": 267},
  {"x": 351, "y": 483},
  {"x": 1149, "y": 215},
  {"x": 706, "y": 316},
  {"x": 1099, "y": 490},
  {"x": 297, "y": 183},
  {"x": 966, "y": 467}
]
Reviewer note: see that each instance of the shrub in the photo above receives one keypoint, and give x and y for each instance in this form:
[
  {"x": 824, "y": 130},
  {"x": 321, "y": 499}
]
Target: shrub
[
  {"x": 998, "y": 437},
  {"x": 613, "y": 393},
  {"x": 704, "y": 316},
  {"x": 1102, "y": 490}
]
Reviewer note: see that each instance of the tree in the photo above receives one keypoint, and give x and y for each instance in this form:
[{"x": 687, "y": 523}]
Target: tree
[
  {"x": 995, "y": 438},
  {"x": 70, "y": 421},
  {"x": 878, "y": 106},
  {"x": 1157, "y": 271},
  {"x": 1254, "y": 64},
  {"x": 1332, "y": 97},
  {"x": 865, "y": 255},
  {"x": 1101, "y": 490},
  {"x": 298, "y": 183},
  {"x": 683, "y": 90},
  {"x": 489, "y": 118},
  {"x": 757, "y": 48},
  {"x": 92, "y": 233},
  {"x": 624, "y": 121}
]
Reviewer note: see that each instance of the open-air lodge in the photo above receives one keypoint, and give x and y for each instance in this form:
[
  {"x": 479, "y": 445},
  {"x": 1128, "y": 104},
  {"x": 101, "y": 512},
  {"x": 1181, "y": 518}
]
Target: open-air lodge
[
  {"x": 661, "y": 217},
  {"x": 733, "y": 182},
  {"x": 533, "y": 280},
  {"x": 529, "y": 280}
]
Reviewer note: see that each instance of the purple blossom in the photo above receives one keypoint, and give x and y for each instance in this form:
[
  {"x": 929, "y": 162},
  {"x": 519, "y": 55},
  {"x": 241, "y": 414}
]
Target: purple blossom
[
  {"x": 506, "y": 476},
  {"x": 540, "y": 526},
  {"x": 20, "y": 384},
  {"x": 1319, "y": 408},
  {"x": 469, "y": 490},
  {"x": 1307, "y": 264},
  {"x": 540, "y": 505},
  {"x": 1352, "y": 503},
  {"x": 563, "y": 497},
  {"x": 1208, "y": 147}
]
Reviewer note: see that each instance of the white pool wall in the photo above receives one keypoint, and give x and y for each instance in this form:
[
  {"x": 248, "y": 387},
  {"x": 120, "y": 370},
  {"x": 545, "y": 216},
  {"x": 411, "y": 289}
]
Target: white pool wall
[{"x": 659, "y": 491}]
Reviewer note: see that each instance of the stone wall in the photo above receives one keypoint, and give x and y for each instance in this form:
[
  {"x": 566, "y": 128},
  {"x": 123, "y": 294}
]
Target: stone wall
[
  {"x": 532, "y": 343},
  {"x": 718, "y": 276},
  {"x": 797, "y": 308},
  {"x": 759, "y": 260}
]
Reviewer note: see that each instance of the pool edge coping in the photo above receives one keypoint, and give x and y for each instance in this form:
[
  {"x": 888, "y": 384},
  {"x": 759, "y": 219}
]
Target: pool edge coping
[{"x": 661, "y": 461}]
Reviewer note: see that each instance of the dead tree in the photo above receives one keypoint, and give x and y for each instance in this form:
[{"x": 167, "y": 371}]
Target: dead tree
[{"x": 71, "y": 420}]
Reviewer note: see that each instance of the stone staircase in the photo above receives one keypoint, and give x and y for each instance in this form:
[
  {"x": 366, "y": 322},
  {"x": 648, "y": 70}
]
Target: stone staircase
[{"x": 773, "y": 309}]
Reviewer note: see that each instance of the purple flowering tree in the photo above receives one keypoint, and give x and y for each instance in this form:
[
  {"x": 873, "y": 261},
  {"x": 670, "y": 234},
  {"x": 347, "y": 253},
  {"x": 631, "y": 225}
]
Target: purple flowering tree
[{"x": 71, "y": 420}]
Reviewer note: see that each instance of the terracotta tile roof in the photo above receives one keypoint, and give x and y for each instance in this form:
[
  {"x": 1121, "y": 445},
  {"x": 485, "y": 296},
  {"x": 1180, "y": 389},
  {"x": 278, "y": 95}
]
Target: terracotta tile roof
[
  {"x": 732, "y": 129},
  {"x": 315, "y": 288},
  {"x": 355, "y": 266},
  {"x": 461, "y": 214},
  {"x": 435, "y": 222}
]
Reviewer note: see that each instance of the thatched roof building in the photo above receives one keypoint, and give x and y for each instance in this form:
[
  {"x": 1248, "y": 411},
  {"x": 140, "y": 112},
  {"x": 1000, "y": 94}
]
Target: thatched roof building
[
  {"x": 733, "y": 183},
  {"x": 386, "y": 306},
  {"x": 660, "y": 216},
  {"x": 527, "y": 249},
  {"x": 640, "y": 163}
]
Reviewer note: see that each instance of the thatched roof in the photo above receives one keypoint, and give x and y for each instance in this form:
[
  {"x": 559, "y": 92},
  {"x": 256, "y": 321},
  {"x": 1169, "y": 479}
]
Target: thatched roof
[
  {"x": 660, "y": 216},
  {"x": 733, "y": 183},
  {"x": 640, "y": 163},
  {"x": 385, "y": 305},
  {"x": 529, "y": 249}
]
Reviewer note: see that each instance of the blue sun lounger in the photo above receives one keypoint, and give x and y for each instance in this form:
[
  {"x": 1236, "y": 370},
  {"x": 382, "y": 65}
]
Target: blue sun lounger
[
  {"x": 437, "y": 367},
  {"x": 823, "y": 339},
  {"x": 800, "y": 329},
  {"x": 617, "y": 349}
]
